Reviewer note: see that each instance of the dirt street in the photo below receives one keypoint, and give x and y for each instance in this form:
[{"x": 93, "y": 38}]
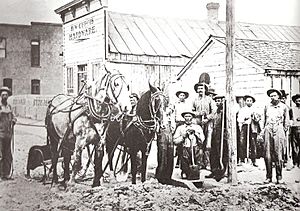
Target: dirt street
[{"x": 250, "y": 193}]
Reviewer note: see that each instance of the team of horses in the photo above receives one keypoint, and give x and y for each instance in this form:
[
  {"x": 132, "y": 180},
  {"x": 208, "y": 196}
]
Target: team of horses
[{"x": 100, "y": 117}]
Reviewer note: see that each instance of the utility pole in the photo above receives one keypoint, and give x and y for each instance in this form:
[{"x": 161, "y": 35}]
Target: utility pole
[{"x": 231, "y": 117}]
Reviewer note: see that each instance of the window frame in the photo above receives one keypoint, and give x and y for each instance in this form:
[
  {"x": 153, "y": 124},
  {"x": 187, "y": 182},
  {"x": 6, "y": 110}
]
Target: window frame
[
  {"x": 3, "y": 48},
  {"x": 33, "y": 63},
  {"x": 35, "y": 91}
]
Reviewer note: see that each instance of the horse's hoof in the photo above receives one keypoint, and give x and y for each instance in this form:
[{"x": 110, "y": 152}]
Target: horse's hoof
[{"x": 96, "y": 184}]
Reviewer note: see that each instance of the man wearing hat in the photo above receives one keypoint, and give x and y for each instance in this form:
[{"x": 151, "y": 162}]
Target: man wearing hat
[
  {"x": 180, "y": 106},
  {"x": 191, "y": 136},
  {"x": 218, "y": 158},
  {"x": 205, "y": 110},
  {"x": 275, "y": 124},
  {"x": 295, "y": 130},
  {"x": 134, "y": 98},
  {"x": 283, "y": 99},
  {"x": 211, "y": 92},
  {"x": 248, "y": 123},
  {"x": 7, "y": 121}
]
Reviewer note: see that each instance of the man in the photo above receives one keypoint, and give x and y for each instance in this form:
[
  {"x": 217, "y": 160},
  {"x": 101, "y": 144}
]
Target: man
[
  {"x": 205, "y": 110},
  {"x": 275, "y": 125},
  {"x": 192, "y": 137},
  {"x": 7, "y": 122},
  {"x": 248, "y": 123},
  {"x": 287, "y": 133},
  {"x": 134, "y": 98},
  {"x": 219, "y": 146},
  {"x": 240, "y": 104},
  {"x": 180, "y": 106},
  {"x": 295, "y": 130},
  {"x": 211, "y": 93}
]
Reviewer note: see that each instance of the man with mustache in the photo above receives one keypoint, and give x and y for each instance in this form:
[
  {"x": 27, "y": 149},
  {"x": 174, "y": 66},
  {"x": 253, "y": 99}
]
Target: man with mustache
[{"x": 275, "y": 124}]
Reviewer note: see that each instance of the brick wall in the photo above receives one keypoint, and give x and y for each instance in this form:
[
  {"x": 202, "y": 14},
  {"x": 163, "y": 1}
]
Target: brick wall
[{"x": 17, "y": 64}]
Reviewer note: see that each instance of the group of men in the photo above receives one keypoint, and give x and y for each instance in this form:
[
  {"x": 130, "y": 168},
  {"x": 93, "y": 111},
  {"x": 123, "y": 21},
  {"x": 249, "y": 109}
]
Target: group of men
[{"x": 201, "y": 138}]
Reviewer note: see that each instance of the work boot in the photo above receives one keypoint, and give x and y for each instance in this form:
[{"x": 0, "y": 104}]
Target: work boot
[{"x": 268, "y": 180}]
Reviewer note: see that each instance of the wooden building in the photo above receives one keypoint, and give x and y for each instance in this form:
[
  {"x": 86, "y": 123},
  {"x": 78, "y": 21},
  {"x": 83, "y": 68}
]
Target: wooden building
[
  {"x": 258, "y": 66},
  {"x": 142, "y": 47}
]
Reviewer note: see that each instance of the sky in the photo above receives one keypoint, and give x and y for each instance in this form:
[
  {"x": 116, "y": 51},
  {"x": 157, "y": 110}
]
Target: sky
[{"x": 278, "y": 12}]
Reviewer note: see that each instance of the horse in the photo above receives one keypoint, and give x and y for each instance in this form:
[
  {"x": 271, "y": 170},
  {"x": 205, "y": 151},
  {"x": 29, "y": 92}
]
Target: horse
[
  {"x": 137, "y": 133},
  {"x": 75, "y": 122}
]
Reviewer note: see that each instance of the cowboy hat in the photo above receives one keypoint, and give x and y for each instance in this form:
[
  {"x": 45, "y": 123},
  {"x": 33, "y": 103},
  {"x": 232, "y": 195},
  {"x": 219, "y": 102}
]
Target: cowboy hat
[
  {"x": 295, "y": 97},
  {"x": 5, "y": 89},
  {"x": 201, "y": 84},
  {"x": 283, "y": 94},
  {"x": 134, "y": 95},
  {"x": 273, "y": 90},
  {"x": 218, "y": 97},
  {"x": 185, "y": 93},
  {"x": 187, "y": 112},
  {"x": 211, "y": 91},
  {"x": 249, "y": 96}
]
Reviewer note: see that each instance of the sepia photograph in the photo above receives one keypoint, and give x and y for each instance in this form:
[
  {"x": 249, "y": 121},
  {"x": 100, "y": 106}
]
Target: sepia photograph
[{"x": 149, "y": 105}]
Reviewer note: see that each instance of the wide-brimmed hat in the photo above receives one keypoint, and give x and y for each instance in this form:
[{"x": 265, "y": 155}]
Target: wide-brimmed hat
[
  {"x": 273, "y": 90},
  {"x": 201, "y": 84},
  {"x": 185, "y": 93},
  {"x": 283, "y": 93},
  {"x": 188, "y": 112},
  {"x": 295, "y": 97},
  {"x": 249, "y": 96},
  {"x": 211, "y": 91},
  {"x": 218, "y": 97},
  {"x": 6, "y": 89},
  {"x": 134, "y": 95}
]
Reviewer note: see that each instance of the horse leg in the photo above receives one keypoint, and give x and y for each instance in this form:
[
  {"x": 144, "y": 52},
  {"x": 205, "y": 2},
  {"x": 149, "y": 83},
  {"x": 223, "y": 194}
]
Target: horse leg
[
  {"x": 98, "y": 158},
  {"x": 54, "y": 159},
  {"x": 133, "y": 156},
  {"x": 77, "y": 163},
  {"x": 144, "y": 167}
]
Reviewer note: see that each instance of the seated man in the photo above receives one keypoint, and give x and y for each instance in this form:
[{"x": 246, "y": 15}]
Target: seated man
[{"x": 191, "y": 136}]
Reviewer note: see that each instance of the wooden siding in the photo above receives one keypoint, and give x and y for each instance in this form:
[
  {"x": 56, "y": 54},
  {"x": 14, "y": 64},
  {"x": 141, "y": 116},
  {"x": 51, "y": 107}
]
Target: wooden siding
[
  {"x": 248, "y": 78},
  {"x": 80, "y": 49}
]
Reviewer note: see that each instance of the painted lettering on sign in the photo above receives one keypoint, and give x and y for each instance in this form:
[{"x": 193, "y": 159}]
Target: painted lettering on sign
[{"x": 82, "y": 30}]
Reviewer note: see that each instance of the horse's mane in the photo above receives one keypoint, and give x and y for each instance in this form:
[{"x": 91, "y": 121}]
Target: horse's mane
[{"x": 142, "y": 108}]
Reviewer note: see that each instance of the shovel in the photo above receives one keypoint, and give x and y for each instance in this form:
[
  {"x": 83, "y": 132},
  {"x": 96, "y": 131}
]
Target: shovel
[{"x": 194, "y": 173}]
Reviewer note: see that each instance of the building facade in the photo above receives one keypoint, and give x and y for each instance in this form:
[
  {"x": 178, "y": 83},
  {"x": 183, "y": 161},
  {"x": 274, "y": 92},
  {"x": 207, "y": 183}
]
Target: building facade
[
  {"x": 258, "y": 66},
  {"x": 142, "y": 48},
  {"x": 31, "y": 58}
]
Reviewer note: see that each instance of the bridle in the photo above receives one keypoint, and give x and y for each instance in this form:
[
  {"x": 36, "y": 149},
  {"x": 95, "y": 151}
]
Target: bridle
[
  {"x": 109, "y": 85},
  {"x": 152, "y": 124}
]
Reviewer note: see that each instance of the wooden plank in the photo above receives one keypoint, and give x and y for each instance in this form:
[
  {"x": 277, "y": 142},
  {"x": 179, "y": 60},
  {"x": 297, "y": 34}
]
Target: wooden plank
[
  {"x": 231, "y": 126},
  {"x": 171, "y": 34},
  {"x": 149, "y": 36},
  {"x": 163, "y": 38},
  {"x": 117, "y": 38},
  {"x": 126, "y": 35},
  {"x": 138, "y": 35},
  {"x": 190, "y": 33},
  {"x": 184, "y": 39}
]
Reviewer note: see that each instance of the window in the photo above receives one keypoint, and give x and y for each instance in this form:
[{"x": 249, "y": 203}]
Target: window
[
  {"x": 8, "y": 82},
  {"x": 82, "y": 74},
  {"x": 35, "y": 87},
  {"x": 35, "y": 53},
  {"x": 2, "y": 47},
  {"x": 96, "y": 69},
  {"x": 70, "y": 80}
]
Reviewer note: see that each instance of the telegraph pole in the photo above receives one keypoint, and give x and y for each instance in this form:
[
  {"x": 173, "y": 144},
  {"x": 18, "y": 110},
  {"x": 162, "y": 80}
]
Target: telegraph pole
[{"x": 231, "y": 118}]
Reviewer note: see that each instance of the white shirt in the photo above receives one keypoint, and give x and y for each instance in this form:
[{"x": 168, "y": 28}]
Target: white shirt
[{"x": 180, "y": 133}]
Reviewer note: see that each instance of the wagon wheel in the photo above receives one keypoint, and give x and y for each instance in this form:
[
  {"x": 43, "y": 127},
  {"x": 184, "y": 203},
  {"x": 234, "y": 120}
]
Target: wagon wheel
[{"x": 120, "y": 164}]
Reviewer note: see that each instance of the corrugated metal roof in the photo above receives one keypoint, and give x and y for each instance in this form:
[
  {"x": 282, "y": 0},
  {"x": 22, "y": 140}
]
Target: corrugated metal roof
[{"x": 145, "y": 35}]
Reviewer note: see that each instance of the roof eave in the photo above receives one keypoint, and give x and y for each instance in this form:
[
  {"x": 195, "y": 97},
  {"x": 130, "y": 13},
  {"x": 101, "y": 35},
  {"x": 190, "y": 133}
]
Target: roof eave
[{"x": 67, "y": 6}]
